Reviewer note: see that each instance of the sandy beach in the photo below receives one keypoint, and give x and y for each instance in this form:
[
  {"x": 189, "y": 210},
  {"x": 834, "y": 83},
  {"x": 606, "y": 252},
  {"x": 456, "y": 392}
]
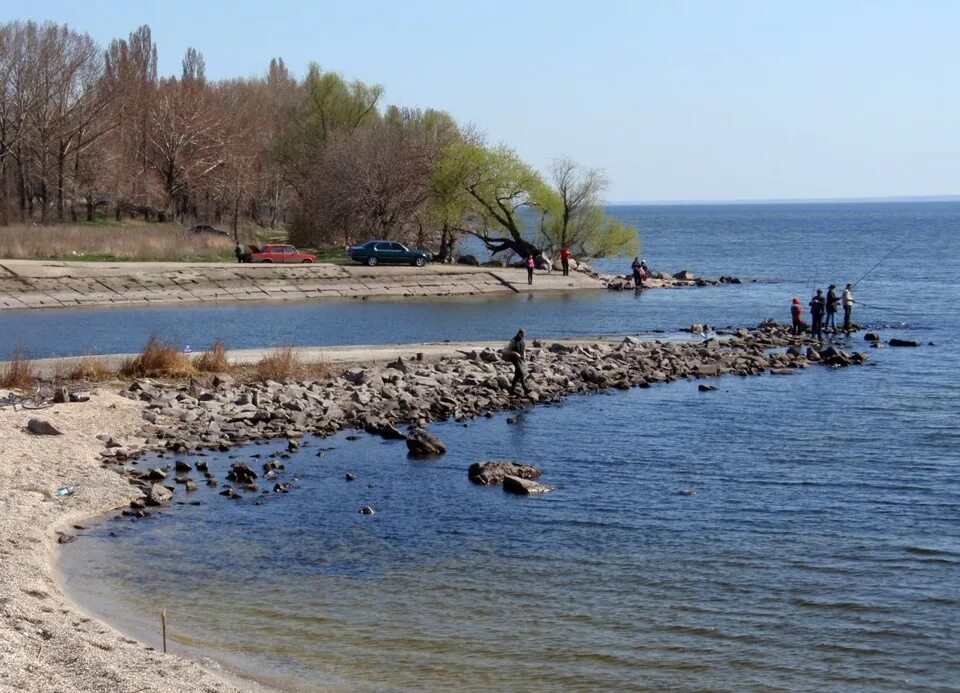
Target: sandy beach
[{"x": 46, "y": 643}]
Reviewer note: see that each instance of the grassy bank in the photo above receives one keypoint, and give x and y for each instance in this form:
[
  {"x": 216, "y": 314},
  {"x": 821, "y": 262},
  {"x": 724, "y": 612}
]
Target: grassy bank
[
  {"x": 108, "y": 241},
  {"x": 132, "y": 241}
]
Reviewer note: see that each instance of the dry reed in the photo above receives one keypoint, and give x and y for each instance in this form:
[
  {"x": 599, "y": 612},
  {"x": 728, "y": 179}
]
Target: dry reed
[
  {"x": 86, "y": 368},
  {"x": 128, "y": 242},
  {"x": 158, "y": 360},
  {"x": 214, "y": 360},
  {"x": 18, "y": 373},
  {"x": 285, "y": 364}
]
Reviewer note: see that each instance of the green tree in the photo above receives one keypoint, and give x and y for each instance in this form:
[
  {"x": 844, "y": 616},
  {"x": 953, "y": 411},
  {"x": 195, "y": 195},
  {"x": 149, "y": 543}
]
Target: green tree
[{"x": 495, "y": 187}]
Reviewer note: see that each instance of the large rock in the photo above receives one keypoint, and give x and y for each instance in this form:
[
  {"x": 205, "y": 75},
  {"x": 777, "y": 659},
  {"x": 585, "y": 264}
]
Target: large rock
[
  {"x": 872, "y": 337},
  {"x": 39, "y": 427},
  {"x": 159, "y": 495},
  {"x": 421, "y": 444},
  {"x": 903, "y": 343},
  {"x": 684, "y": 275},
  {"x": 493, "y": 472},
  {"x": 523, "y": 487},
  {"x": 468, "y": 260}
]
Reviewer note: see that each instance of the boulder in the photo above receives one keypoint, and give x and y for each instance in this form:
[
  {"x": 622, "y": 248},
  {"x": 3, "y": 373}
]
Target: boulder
[
  {"x": 706, "y": 388},
  {"x": 39, "y": 427},
  {"x": 421, "y": 444},
  {"x": 241, "y": 473},
  {"x": 367, "y": 510},
  {"x": 222, "y": 380},
  {"x": 182, "y": 466},
  {"x": 357, "y": 376},
  {"x": 871, "y": 337},
  {"x": 523, "y": 487},
  {"x": 493, "y": 472},
  {"x": 488, "y": 355},
  {"x": 468, "y": 260},
  {"x": 684, "y": 275},
  {"x": 903, "y": 343},
  {"x": 158, "y": 495}
]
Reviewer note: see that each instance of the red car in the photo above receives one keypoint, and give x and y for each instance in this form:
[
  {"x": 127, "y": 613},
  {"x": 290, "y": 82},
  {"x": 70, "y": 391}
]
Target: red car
[{"x": 280, "y": 253}]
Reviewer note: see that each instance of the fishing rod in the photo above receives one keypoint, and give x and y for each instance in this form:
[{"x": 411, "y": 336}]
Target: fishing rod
[
  {"x": 867, "y": 305},
  {"x": 882, "y": 260}
]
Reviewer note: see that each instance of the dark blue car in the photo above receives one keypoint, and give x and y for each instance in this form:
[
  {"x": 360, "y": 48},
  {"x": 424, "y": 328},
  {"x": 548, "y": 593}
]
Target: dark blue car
[{"x": 376, "y": 252}]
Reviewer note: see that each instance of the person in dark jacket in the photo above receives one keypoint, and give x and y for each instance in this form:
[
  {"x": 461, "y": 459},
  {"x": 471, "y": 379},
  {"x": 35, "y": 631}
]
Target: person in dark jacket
[
  {"x": 832, "y": 302},
  {"x": 515, "y": 353},
  {"x": 817, "y": 307},
  {"x": 796, "y": 315},
  {"x": 238, "y": 251}
]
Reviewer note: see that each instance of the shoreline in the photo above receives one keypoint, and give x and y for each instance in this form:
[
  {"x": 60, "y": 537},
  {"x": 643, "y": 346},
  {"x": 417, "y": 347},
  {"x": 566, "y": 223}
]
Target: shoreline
[
  {"x": 152, "y": 417},
  {"x": 48, "y": 643},
  {"x": 38, "y": 284}
]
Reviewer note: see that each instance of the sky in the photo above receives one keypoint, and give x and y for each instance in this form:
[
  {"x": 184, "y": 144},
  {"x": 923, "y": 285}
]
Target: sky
[{"x": 674, "y": 101}]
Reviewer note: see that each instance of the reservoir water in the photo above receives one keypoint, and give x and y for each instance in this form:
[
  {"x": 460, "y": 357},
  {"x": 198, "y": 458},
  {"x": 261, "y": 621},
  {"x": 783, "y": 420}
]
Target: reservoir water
[{"x": 797, "y": 533}]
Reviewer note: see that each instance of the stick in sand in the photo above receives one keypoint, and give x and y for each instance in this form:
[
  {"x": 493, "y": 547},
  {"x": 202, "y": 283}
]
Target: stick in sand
[{"x": 163, "y": 622}]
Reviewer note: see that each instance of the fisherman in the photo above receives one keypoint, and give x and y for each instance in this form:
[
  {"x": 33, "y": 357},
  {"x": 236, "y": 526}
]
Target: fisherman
[
  {"x": 832, "y": 302},
  {"x": 565, "y": 260},
  {"x": 529, "y": 262},
  {"x": 847, "y": 307},
  {"x": 796, "y": 315},
  {"x": 515, "y": 353},
  {"x": 636, "y": 269},
  {"x": 817, "y": 306}
]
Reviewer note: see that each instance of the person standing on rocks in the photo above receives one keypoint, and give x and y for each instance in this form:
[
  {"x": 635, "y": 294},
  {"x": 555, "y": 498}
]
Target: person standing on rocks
[
  {"x": 817, "y": 306},
  {"x": 515, "y": 353},
  {"x": 848, "y": 307},
  {"x": 796, "y": 315},
  {"x": 529, "y": 262},
  {"x": 565, "y": 260},
  {"x": 832, "y": 302}
]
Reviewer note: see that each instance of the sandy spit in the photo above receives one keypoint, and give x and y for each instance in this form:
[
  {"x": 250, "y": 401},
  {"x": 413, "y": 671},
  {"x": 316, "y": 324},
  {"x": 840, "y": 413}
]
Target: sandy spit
[{"x": 46, "y": 643}]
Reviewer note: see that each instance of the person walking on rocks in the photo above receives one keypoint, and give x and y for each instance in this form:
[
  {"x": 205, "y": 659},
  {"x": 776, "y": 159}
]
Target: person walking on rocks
[
  {"x": 817, "y": 306},
  {"x": 796, "y": 316},
  {"x": 515, "y": 353},
  {"x": 832, "y": 302},
  {"x": 847, "y": 307},
  {"x": 529, "y": 262},
  {"x": 565, "y": 260}
]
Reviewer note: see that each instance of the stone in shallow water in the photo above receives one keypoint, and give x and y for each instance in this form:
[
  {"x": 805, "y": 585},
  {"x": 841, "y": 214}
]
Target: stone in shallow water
[{"x": 523, "y": 487}]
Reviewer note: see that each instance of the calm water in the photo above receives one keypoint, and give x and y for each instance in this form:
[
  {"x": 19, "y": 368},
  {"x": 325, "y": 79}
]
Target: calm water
[{"x": 821, "y": 550}]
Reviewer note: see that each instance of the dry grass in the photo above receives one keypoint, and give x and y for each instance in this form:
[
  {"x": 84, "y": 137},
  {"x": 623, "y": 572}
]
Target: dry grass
[
  {"x": 285, "y": 364},
  {"x": 18, "y": 373},
  {"x": 127, "y": 242},
  {"x": 87, "y": 368},
  {"x": 213, "y": 360},
  {"x": 159, "y": 360}
]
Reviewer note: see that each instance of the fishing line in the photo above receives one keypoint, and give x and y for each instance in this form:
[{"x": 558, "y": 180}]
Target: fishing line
[{"x": 882, "y": 260}]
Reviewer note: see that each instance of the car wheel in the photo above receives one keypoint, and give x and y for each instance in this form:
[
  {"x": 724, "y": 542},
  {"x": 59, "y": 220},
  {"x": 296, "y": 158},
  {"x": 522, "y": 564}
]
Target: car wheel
[
  {"x": 307, "y": 262},
  {"x": 372, "y": 261},
  {"x": 267, "y": 262},
  {"x": 420, "y": 261}
]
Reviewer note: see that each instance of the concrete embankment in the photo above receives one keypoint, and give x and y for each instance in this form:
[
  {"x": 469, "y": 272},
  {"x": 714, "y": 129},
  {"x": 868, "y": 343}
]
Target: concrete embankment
[{"x": 54, "y": 284}]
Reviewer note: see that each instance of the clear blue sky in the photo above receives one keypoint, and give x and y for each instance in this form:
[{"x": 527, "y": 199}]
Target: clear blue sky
[{"x": 673, "y": 100}]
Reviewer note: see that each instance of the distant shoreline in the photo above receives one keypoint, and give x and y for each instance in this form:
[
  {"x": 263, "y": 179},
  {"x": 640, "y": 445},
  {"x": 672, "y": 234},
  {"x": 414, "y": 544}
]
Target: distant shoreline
[{"x": 919, "y": 199}]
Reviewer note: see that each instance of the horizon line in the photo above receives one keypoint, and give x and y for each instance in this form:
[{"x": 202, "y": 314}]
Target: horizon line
[{"x": 788, "y": 200}]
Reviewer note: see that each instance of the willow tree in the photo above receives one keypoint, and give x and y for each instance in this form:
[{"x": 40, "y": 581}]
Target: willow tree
[
  {"x": 574, "y": 217},
  {"x": 497, "y": 188}
]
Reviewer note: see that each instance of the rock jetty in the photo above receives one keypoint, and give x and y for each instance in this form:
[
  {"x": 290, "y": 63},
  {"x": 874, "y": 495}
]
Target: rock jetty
[{"x": 184, "y": 418}]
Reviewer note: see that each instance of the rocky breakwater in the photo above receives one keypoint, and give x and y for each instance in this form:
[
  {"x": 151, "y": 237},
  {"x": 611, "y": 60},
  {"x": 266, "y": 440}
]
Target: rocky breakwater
[
  {"x": 657, "y": 280},
  {"x": 185, "y": 418}
]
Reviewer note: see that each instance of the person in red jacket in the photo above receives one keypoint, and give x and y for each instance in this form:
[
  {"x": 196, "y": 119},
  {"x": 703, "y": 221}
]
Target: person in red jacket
[
  {"x": 565, "y": 260},
  {"x": 796, "y": 314}
]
